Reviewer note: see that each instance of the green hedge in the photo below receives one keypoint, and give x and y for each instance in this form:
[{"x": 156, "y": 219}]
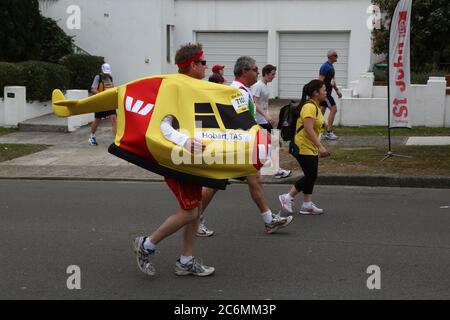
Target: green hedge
[
  {"x": 416, "y": 77},
  {"x": 41, "y": 78},
  {"x": 380, "y": 74},
  {"x": 75, "y": 71},
  {"x": 10, "y": 75},
  {"x": 422, "y": 78},
  {"x": 83, "y": 69}
]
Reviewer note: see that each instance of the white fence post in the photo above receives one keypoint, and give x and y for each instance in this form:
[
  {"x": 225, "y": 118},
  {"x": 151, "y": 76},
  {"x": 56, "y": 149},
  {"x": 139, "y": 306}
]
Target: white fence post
[
  {"x": 447, "y": 111},
  {"x": 75, "y": 122},
  {"x": 365, "y": 85},
  {"x": 2, "y": 111},
  {"x": 14, "y": 105},
  {"x": 435, "y": 103}
]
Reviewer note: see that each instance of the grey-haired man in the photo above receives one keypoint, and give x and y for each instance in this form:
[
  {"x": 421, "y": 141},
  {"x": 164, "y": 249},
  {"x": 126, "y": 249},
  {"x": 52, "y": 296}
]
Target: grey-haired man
[{"x": 246, "y": 74}]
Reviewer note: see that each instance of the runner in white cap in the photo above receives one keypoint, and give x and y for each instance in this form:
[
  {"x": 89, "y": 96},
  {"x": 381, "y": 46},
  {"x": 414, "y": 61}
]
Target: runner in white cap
[{"x": 102, "y": 82}]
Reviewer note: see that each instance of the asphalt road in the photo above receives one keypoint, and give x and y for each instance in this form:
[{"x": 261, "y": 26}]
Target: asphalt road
[{"x": 46, "y": 226}]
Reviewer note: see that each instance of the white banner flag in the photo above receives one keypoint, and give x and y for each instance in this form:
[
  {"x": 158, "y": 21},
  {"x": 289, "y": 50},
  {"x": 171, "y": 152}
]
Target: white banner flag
[{"x": 399, "y": 66}]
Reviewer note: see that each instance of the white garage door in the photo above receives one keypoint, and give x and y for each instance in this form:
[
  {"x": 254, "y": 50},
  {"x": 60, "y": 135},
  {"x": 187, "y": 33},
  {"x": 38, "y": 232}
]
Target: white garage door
[
  {"x": 224, "y": 48},
  {"x": 301, "y": 56}
]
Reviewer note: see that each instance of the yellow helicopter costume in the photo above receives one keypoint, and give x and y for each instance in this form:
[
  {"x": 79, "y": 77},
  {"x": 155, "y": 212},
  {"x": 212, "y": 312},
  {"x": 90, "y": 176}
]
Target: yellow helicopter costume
[{"x": 217, "y": 114}]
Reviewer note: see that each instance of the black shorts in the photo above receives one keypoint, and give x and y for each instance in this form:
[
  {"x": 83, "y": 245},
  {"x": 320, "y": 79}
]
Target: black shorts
[
  {"x": 104, "y": 114},
  {"x": 267, "y": 126},
  {"x": 328, "y": 102}
]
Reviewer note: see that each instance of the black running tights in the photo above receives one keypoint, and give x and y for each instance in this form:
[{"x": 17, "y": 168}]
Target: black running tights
[{"x": 310, "y": 166}]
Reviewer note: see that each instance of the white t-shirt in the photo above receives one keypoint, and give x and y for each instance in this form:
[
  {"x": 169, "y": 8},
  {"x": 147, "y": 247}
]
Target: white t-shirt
[{"x": 261, "y": 91}]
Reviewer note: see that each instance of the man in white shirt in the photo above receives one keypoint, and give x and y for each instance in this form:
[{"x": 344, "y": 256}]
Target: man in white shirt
[
  {"x": 191, "y": 62},
  {"x": 246, "y": 73},
  {"x": 261, "y": 95}
]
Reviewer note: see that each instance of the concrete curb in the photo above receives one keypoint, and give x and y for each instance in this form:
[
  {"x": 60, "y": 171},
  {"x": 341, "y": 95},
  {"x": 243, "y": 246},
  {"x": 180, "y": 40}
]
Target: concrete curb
[
  {"x": 396, "y": 181},
  {"x": 375, "y": 181},
  {"x": 387, "y": 181},
  {"x": 344, "y": 180}
]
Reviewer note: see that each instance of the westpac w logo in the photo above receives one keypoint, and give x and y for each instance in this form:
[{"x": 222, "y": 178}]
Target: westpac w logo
[{"x": 136, "y": 106}]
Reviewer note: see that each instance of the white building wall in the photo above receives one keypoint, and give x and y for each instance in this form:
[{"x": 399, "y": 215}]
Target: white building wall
[
  {"x": 278, "y": 16},
  {"x": 168, "y": 18},
  {"x": 126, "y": 33}
]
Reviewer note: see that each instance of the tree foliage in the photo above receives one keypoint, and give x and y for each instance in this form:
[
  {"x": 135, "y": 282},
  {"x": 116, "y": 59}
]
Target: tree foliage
[
  {"x": 55, "y": 43},
  {"x": 83, "y": 68},
  {"x": 26, "y": 35},
  {"x": 430, "y": 33}
]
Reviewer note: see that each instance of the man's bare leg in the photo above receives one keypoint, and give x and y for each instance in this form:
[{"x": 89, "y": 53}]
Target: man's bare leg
[
  {"x": 189, "y": 235},
  {"x": 174, "y": 223},
  {"x": 257, "y": 193},
  {"x": 113, "y": 120},
  {"x": 94, "y": 125},
  {"x": 331, "y": 117},
  {"x": 207, "y": 195}
]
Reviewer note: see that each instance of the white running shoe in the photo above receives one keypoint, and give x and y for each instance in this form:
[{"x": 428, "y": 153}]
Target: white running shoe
[
  {"x": 93, "y": 141},
  {"x": 194, "y": 267},
  {"x": 313, "y": 210},
  {"x": 203, "y": 230},
  {"x": 281, "y": 173},
  {"x": 286, "y": 204},
  {"x": 144, "y": 257},
  {"x": 278, "y": 222},
  {"x": 330, "y": 136}
]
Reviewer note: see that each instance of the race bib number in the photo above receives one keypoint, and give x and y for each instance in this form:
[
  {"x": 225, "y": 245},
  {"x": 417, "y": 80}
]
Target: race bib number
[
  {"x": 238, "y": 103},
  {"x": 108, "y": 85}
]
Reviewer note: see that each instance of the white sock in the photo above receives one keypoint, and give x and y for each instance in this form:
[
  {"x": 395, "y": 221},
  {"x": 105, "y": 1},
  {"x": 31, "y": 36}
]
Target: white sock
[
  {"x": 307, "y": 204},
  {"x": 148, "y": 245},
  {"x": 289, "y": 197},
  {"x": 267, "y": 216},
  {"x": 185, "y": 259},
  {"x": 92, "y": 135}
]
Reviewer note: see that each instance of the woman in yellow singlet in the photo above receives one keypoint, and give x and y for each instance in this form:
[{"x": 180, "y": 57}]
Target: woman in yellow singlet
[{"x": 306, "y": 147}]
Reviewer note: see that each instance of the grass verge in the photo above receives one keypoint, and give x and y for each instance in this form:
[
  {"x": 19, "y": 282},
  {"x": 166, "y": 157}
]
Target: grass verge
[
  {"x": 13, "y": 151},
  {"x": 4, "y": 131},
  {"x": 426, "y": 160},
  {"x": 382, "y": 131}
]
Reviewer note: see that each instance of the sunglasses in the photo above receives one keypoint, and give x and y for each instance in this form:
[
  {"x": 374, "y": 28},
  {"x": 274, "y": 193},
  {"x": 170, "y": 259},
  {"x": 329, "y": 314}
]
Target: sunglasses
[
  {"x": 335, "y": 55},
  {"x": 203, "y": 62}
]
